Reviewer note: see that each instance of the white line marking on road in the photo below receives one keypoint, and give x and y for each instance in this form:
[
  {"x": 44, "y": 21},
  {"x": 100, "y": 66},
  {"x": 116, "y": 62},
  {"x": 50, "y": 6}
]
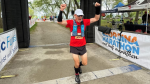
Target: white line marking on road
[{"x": 93, "y": 75}]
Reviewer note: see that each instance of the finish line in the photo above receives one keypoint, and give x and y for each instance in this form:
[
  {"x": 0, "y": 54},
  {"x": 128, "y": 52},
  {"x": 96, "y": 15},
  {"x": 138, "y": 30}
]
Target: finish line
[
  {"x": 46, "y": 45},
  {"x": 93, "y": 75}
]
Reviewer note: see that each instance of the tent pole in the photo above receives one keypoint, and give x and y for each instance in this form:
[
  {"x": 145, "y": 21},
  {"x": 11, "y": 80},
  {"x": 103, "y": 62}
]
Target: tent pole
[
  {"x": 146, "y": 18},
  {"x": 147, "y": 15}
]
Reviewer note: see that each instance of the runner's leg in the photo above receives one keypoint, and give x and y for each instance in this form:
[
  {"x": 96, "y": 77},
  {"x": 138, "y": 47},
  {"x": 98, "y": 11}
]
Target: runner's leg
[
  {"x": 84, "y": 59},
  {"x": 76, "y": 60},
  {"x": 76, "y": 67},
  {"x": 83, "y": 62}
]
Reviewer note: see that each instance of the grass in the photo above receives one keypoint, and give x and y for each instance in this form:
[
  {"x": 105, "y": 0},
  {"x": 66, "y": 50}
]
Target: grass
[
  {"x": 105, "y": 23},
  {"x": 33, "y": 27},
  {"x": 1, "y": 30}
]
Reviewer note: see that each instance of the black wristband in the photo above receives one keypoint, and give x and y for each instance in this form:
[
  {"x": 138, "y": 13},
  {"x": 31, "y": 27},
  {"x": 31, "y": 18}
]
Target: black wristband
[
  {"x": 60, "y": 17},
  {"x": 97, "y": 10}
]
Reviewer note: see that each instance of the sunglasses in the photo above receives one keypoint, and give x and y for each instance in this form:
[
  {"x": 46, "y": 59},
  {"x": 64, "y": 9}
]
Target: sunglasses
[{"x": 80, "y": 15}]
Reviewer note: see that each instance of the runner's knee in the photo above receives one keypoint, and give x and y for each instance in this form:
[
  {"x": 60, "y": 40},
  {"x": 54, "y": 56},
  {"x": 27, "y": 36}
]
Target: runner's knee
[
  {"x": 77, "y": 65},
  {"x": 84, "y": 63}
]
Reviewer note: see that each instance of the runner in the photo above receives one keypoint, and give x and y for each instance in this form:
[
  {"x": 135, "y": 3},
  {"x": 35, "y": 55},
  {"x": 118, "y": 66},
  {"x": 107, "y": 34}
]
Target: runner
[{"x": 78, "y": 42}]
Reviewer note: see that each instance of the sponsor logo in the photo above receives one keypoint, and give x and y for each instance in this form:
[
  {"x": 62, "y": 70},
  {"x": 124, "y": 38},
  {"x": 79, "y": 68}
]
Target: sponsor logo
[
  {"x": 6, "y": 44},
  {"x": 10, "y": 41},
  {"x": 127, "y": 45},
  {"x": 3, "y": 47}
]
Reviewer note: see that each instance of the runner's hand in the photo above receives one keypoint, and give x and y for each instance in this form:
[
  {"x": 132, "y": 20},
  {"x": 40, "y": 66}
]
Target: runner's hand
[
  {"x": 62, "y": 7},
  {"x": 97, "y": 4}
]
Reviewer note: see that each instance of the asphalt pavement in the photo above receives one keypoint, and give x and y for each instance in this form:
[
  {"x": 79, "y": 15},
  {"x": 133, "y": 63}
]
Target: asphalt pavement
[{"x": 49, "y": 61}]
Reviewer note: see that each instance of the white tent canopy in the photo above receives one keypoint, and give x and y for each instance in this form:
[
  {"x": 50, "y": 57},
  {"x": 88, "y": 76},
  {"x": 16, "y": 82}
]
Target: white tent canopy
[{"x": 137, "y": 5}]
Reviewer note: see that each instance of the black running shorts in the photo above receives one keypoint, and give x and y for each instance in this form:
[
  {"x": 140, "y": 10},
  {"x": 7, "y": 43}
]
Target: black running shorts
[{"x": 78, "y": 50}]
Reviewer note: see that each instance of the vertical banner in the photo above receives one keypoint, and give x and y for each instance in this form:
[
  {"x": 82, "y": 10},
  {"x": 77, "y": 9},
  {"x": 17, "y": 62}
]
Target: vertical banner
[
  {"x": 136, "y": 48},
  {"x": 108, "y": 41},
  {"x": 8, "y": 46}
]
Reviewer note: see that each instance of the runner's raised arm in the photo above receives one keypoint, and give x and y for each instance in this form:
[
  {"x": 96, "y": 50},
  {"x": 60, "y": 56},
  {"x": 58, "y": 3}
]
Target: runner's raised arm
[
  {"x": 60, "y": 21},
  {"x": 97, "y": 13}
]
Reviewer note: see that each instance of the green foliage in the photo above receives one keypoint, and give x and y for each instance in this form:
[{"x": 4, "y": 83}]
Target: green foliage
[
  {"x": 132, "y": 14},
  {"x": 33, "y": 27},
  {"x": 51, "y": 7},
  {"x": 106, "y": 24},
  {"x": 117, "y": 1},
  {"x": 107, "y": 16},
  {"x": 1, "y": 30},
  {"x": 111, "y": 3},
  {"x": 31, "y": 12},
  {"x": 129, "y": 1},
  {"x": 118, "y": 16},
  {"x": 30, "y": 5},
  {"x": 111, "y": 15},
  {"x": 43, "y": 5}
]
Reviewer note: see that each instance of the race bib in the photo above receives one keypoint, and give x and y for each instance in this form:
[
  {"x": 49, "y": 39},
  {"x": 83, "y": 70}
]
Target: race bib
[{"x": 78, "y": 37}]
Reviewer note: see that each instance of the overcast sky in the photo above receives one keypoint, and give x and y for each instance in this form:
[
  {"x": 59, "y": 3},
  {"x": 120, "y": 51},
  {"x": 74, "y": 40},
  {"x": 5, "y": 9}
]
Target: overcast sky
[{"x": 30, "y": 0}]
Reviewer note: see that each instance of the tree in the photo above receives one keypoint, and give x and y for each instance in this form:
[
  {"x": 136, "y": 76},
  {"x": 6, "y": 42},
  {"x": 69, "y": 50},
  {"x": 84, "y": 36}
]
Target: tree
[
  {"x": 129, "y": 1},
  {"x": 31, "y": 12},
  {"x": 116, "y": 2},
  {"x": 137, "y": 13},
  {"x": 77, "y": 4},
  {"x": 132, "y": 14},
  {"x": 30, "y": 5},
  {"x": 109, "y": 4},
  {"x": 52, "y": 6}
]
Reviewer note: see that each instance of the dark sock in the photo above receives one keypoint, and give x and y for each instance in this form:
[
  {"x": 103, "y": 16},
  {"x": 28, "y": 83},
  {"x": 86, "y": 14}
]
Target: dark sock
[
  {"x": 81, "y": 63},
  {"x": 76, "y": 71}
]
